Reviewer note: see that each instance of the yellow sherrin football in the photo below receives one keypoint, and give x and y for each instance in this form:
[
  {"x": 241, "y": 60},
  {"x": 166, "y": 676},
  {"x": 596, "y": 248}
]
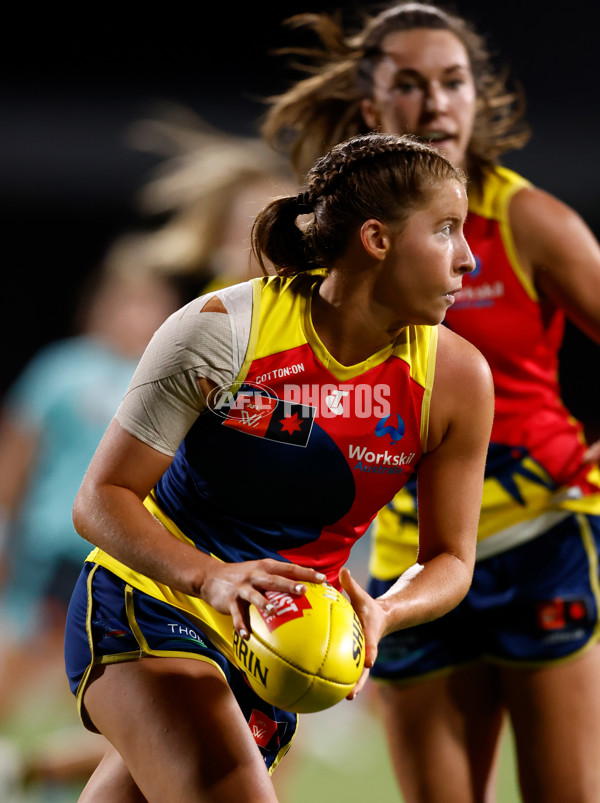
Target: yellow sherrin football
[{"x": 306, "y": 655}]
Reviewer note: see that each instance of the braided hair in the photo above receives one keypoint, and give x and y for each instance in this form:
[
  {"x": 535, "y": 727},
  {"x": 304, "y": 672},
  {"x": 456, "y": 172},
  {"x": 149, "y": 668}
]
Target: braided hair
[{"x": 381, "y": 176}]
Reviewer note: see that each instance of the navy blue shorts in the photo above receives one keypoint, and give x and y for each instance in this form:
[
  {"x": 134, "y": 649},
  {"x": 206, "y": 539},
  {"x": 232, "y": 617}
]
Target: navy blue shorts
[
  {"x": 534, "y": 605},
  {"x": 109, "y": 621}
]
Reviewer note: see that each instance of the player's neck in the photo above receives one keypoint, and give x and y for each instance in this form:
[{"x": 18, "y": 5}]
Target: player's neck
[{"x": 348, "y": 327}]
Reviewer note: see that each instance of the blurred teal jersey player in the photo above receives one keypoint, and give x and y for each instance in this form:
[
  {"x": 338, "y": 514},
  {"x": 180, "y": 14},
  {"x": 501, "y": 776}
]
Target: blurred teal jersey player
[
  {"x": 67, "y": 394},
  {"x": 54, "y": 417}
]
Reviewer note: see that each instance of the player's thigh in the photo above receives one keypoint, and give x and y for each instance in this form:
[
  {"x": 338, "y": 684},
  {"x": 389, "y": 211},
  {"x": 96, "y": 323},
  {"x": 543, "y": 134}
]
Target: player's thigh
[
  {"x": 555, "y": 713},
  {"x": 179, "y": 730},
  {"x": 457, "y": 718}
]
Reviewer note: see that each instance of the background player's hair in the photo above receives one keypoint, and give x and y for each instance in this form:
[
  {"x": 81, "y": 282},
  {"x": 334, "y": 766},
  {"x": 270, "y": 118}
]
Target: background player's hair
[
  {"x": 200, "y": 200},
  {"x": 382, "y": 176},
  {"x": 325, "y": 107}
]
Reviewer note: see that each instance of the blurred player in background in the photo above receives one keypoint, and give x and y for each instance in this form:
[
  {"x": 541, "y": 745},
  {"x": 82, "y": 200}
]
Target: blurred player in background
[
  {"x": 53, "y": 418},
  {"x": 524, "y": 640},
  {"x": 198, "y": 209},
  {"x": 205, "y": 195}
]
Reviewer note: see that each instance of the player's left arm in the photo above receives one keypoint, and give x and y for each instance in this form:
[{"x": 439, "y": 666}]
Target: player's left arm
[{"x": 450, "y": 484}]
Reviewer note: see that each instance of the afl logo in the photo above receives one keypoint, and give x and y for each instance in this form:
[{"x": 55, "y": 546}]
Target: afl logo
[{"x": 395, "y": 433}]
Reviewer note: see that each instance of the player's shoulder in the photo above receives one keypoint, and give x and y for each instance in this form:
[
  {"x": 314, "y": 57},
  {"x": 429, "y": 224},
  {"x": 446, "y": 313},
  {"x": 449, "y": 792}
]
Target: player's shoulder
[
  {"x": 492, "y": 194},
  {"x": 459, "y": 361},
  {"x": 535, "y": 206},
  {"x": 504, "y": 189},
  {"x": 229, "y": 300},
  {"x": 234, "y": 299},
  {"x": 209, "y": 316}
]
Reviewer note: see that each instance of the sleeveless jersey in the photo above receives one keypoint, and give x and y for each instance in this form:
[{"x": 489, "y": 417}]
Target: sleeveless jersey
[
  {"x": 535, "y": 473},
  {"x": 297, "y": 452}
]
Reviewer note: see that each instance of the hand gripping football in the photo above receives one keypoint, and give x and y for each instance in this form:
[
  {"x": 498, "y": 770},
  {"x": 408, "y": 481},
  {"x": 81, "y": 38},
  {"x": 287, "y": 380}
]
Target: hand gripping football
[{"x": 306, "y": 655}]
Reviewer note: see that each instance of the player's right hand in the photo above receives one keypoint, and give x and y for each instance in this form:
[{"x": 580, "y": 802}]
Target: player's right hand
[{"x": 232, "y": 587}]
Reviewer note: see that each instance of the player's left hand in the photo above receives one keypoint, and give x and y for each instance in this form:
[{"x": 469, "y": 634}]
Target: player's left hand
[{"x": 372, "y": 619}]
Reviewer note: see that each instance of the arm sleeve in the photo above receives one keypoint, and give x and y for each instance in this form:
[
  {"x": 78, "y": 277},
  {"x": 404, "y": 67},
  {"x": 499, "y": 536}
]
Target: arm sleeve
[{"x": 164, "y": 398}]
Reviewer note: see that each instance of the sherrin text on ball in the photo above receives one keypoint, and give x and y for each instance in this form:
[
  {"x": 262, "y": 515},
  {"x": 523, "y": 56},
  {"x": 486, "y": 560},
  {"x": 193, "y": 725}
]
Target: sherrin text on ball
[{"x": 307, "y": 654}]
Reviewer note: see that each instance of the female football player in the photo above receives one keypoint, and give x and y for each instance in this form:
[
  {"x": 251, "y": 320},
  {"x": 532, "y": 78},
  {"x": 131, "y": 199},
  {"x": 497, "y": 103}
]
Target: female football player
[{"x": 226, "y": 473}]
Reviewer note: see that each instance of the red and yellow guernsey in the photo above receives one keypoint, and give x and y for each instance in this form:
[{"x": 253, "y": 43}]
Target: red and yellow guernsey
[
  {"x": 535, "y": 473},
  {"x": 297, "y": 452}
]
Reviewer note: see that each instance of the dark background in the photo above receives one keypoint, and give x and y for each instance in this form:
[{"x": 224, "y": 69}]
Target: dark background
[{"x": 73, "y": 84}]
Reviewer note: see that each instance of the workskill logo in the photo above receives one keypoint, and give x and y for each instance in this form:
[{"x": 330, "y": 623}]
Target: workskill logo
[
  {"x": 395, "y": 433},
  {"x": 384, "y": 462}
]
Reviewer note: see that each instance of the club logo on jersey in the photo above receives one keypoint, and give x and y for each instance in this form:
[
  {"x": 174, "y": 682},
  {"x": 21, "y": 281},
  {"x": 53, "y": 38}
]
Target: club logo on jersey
[
  {"x": 262, "y": 728},
  {"x": 561, "y": 614},
  {"x": 256, "y": 410},
  {"x": 112, "y": 628},
  {"x": 395, "y": 433}
]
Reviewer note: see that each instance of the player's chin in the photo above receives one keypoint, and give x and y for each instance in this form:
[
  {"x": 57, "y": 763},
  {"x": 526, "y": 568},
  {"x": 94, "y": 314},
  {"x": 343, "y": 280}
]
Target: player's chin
[
  {"x": 433, "y": 316},
  {"x": 452, "y": 149}
]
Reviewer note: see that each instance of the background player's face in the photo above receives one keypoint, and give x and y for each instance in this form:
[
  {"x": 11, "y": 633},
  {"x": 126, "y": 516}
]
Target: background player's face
[
  {"x": 427, "y": 259},
  {"x": 424, "y": 86}
]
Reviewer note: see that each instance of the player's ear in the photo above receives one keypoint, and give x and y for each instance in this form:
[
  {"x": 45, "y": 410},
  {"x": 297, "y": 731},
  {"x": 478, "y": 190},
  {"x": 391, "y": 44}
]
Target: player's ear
[
  {"x": 375, "y": 238},
  {"x": 369, "y": 113}
]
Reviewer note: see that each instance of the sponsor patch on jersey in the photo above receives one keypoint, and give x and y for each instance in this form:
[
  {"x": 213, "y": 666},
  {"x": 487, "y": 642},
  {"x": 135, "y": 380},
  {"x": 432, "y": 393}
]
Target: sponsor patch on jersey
[{"x": 179, "y": 632}]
